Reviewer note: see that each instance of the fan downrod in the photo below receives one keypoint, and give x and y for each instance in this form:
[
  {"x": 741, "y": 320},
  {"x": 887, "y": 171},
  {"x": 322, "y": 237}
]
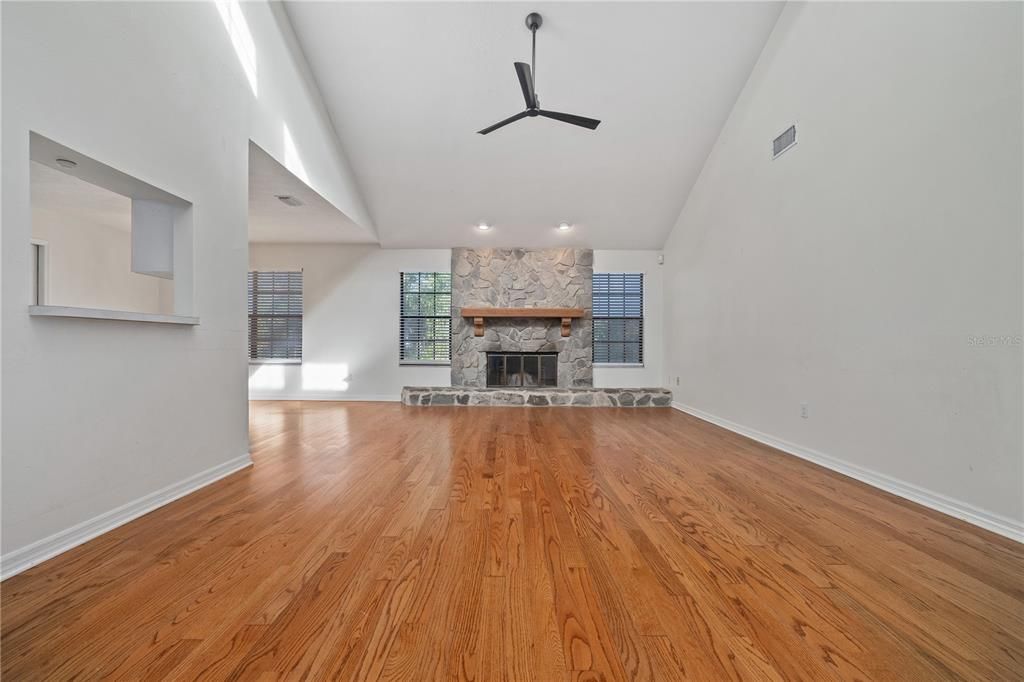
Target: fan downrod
[{"x": 527, "y": 75}]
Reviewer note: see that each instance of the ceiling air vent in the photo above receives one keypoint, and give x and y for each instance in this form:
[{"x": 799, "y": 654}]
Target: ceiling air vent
[
  {"x": 784, "y": 141},
  {"x": 288, "y": 200}
]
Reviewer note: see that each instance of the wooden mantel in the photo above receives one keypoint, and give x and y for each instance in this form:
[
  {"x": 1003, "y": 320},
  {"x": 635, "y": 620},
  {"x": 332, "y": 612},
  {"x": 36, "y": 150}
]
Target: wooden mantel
[{"x": 478, "y": 315}]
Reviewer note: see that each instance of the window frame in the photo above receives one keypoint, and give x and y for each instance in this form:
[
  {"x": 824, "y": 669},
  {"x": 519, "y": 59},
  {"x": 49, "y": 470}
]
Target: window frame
[
  {"x": 642, "y": 343},
  {"x": 252, "y": 317},
  {"x": 411, "y": 362},
  {"x": 40, "y": 271}
]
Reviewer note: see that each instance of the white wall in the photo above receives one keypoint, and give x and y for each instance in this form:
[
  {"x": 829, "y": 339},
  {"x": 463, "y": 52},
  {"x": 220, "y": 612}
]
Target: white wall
[
  {"x": 289, "y": 120},
  {"x": 100, "y": 414},
  {"x": 89, "y": 261},
  {"x": 652, "y": 373},
  {"x": 350, "y": 322},
  {"x": 856, "y": 271},
  {"x": 350, "y": 326}
]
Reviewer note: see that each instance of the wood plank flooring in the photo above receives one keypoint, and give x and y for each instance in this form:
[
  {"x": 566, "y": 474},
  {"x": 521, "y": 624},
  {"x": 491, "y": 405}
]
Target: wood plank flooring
[{"x": 373, "y": 541}]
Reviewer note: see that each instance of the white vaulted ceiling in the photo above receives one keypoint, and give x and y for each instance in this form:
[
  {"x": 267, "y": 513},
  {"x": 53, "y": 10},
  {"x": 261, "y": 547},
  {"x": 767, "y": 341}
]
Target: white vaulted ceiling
[{"x": 408, "y": 85}]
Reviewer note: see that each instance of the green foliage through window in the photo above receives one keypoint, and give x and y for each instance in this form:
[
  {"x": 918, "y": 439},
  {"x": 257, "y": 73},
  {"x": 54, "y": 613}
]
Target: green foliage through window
[{"x": 425, "y": 326}]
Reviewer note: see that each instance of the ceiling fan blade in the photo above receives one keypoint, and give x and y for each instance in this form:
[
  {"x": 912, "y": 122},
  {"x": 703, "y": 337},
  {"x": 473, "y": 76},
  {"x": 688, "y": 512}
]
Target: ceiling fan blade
[
  {"x": 526, "y": 83},
  {"x": 499, "y": 124},
  {"x": 582, "y": 121}
]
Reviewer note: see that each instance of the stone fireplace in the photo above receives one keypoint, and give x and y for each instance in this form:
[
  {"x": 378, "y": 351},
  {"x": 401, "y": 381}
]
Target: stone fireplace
[
  {"x": 521, "y": 334},
  {"x": 522, "y": 278}
]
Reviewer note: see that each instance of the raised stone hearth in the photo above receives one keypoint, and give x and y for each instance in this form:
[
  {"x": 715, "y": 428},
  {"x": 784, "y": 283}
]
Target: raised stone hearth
[{"x": 537, "y": 397}]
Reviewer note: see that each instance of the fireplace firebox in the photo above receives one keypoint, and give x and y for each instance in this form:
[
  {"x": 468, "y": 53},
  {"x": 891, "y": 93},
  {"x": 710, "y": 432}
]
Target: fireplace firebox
[{"x": 522, "y": 369}]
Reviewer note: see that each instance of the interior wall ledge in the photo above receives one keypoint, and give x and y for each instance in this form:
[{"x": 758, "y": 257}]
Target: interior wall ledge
[{"x": 101, "y": 314}]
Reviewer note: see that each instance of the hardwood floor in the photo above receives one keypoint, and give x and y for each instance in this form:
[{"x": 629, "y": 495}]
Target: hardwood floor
[{"x": 376, "y": 541}]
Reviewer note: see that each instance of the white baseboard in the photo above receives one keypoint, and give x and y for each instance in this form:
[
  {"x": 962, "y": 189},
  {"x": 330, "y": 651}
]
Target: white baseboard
[
  {"x": 996, "y": 523},
  {"x": 26, "y": 557},
  {"x": 337, "y": 395}
]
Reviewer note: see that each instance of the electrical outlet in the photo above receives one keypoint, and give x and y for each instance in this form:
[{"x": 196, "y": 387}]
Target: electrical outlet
[
  {"x": 803, "y": 410},
  {"x": 677, "y": 381}
]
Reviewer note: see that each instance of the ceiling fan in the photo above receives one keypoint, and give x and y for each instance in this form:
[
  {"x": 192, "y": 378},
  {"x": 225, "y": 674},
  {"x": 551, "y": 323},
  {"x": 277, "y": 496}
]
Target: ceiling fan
[{"x": 526, "y": 73}]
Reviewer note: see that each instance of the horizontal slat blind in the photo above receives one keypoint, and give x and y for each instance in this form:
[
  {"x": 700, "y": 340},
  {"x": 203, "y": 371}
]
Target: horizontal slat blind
[
  {"x": 618, "y": 317},
  {"x": 275, "y": 315},
  {"x": 425, "y": 317}
]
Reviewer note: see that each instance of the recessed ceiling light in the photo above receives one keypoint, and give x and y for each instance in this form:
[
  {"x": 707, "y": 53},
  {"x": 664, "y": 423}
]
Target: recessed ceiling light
[
  {"x": 288, "y": 200},
  {"x": 564, "y": 227},
  {"x": 66, "y": 163},
  {"x": 483, "y": 227}
]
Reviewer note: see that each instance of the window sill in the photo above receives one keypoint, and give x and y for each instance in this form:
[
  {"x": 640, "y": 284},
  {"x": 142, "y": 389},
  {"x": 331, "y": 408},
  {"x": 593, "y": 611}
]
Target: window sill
[
  {"x": 100, "y": 314},
  {"x": 619, "y": 364},
  {"x": 275, "y": 361},
  {"x": 424, "y": 363}
]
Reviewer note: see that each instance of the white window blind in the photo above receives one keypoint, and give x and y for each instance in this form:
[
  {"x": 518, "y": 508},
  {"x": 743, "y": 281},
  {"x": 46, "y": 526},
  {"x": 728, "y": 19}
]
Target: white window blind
[
  {"x": 425, "y": 317},
  {"x": 275, "y": 316},
  {"x": 618, "y": 318}
]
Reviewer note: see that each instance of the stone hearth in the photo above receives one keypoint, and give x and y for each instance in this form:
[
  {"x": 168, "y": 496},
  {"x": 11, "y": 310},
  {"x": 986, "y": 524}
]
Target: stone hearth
[{"x": 536, "y": 397}]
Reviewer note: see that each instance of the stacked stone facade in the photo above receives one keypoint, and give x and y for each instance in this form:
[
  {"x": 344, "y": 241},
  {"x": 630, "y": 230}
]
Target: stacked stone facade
[{"x": 522, "y": 278}]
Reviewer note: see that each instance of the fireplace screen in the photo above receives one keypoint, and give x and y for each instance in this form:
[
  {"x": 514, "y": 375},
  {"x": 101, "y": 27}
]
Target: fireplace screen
[{"x": 522, "y": 369}]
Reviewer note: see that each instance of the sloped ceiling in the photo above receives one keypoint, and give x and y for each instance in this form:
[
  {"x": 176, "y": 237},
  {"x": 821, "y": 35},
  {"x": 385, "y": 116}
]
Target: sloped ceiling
[
  {"x": 315, "y": 220},
  {"x": 408, "y": 85}
]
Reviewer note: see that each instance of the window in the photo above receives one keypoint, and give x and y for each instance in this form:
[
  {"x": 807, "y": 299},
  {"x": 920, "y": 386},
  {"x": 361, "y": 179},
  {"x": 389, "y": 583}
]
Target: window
[
  {"x": 618, "y": 318},
  {"x": 275, "y": 317},
  {"x": 425, "y": 326}
]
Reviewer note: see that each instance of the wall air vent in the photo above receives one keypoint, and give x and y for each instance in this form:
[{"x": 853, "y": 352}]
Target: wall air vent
[{"x": 784, "y": 141}]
